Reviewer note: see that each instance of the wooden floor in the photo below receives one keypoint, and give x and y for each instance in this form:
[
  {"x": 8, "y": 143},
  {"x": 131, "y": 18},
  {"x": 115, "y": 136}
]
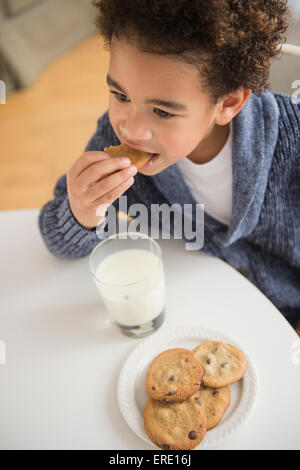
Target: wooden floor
[{"x": 45, "y": 128}]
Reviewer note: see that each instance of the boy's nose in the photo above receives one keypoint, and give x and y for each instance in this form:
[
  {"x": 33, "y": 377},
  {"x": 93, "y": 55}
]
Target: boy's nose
[{"x": 135, "y": 132}]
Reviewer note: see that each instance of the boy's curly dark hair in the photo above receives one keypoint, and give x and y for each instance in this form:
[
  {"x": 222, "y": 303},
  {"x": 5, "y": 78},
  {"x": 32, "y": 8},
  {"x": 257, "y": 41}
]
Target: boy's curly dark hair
[{"x": 231, "y": 42}]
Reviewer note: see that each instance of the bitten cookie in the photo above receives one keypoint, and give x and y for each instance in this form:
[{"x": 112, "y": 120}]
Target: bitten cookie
[
  {"x": 214, "y": 401},
  {"x": 223, "y": 364},
  {"x": 173, "y": 376},
  {"x": 175, "y": 426},
  {"x": 137, "y": 158}
]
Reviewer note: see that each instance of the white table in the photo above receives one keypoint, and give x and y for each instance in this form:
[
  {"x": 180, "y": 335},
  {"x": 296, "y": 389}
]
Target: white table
[{"x": 58, "y": 386}]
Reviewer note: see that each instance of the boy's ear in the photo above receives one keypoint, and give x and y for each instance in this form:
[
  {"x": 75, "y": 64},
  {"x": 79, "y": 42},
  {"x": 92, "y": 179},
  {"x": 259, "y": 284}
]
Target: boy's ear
[{"x": 231, "y": 105}]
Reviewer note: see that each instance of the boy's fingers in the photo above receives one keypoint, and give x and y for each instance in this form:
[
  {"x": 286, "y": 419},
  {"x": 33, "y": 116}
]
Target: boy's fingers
[
  {"x": 113, "y": 195},
  {"x": 101, "y": 170},
  {"x": 87, "y": 159},
  {"x": 108, "y": 184}
]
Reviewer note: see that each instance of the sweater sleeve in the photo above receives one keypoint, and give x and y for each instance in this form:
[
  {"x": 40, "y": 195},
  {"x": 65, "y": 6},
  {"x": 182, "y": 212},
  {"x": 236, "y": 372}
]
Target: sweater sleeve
[{"x": 63, "y": 235}]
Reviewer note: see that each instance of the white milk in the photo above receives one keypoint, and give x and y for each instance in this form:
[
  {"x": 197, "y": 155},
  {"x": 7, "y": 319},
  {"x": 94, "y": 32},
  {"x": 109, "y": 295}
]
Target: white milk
[{"x": 144, "y": 298}]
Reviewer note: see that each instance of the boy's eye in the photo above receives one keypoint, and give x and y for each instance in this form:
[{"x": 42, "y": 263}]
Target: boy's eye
[
  {"x": 119, "y": 96},
  {"x": 122, "y": 98},
  {"x": 163, "y": 114}
]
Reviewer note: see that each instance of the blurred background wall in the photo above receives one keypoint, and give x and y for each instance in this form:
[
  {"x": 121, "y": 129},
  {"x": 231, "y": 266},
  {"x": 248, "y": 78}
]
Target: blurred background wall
[
  {"x": 54, "y": 67},
  {"x": 34, "y": 32},
  {"x": 286, "y": 70}
]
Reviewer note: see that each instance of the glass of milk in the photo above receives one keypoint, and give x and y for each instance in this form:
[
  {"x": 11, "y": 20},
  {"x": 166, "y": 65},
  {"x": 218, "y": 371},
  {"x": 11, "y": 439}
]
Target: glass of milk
[{"x": 128, "y": 271}]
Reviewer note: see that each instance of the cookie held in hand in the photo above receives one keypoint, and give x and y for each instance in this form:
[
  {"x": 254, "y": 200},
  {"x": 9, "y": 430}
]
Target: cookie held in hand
[
  {"x": 173, "y": 376},
  {"x": 223, "y": 363},
  {"x": 137, "y": 158},
  {"x": 175, "y": 426}
]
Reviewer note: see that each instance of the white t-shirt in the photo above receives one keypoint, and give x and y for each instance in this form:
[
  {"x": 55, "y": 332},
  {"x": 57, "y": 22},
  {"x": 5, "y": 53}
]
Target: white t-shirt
[{"x": 211, "y": 183}]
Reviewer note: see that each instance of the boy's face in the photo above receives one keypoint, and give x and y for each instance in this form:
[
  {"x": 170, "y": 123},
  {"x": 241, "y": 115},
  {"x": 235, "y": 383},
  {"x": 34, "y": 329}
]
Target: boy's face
[{"x": 157, "y": 128}]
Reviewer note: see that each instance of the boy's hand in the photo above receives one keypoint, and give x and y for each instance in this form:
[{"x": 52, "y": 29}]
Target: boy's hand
[{"x": 94, "y": 182}]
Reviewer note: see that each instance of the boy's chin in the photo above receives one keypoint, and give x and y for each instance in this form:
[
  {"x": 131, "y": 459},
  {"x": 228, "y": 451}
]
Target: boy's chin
[{"x": 151, "y": 171}]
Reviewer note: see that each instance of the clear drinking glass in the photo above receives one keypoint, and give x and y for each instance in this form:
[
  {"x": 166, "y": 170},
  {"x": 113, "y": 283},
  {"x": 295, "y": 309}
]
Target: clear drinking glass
[{"x": 129, "y": 273}]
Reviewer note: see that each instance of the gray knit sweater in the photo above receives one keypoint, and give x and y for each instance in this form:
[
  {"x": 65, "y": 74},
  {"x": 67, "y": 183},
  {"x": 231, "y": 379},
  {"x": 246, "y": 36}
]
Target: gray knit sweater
[{"x": 263, "y": 239}]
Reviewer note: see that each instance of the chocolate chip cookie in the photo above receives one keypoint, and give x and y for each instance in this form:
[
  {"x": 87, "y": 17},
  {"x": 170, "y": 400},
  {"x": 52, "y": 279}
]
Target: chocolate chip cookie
[
  {"x": 173, "y": 376},
  {"x": 137, "y": 158},
  {"x": 175, "y": 426},
  {"x": 223, "y": 363},
  {"x": 214, "y": 401}
]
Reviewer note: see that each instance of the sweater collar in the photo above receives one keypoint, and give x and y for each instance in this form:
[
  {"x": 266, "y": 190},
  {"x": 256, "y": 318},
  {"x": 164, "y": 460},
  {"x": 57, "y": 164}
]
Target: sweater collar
[{"x": 255, "y": 134}]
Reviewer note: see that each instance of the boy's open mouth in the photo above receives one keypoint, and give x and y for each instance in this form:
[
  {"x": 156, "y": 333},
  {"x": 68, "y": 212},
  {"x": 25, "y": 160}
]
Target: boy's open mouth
[{"x": 154, "y": 157}]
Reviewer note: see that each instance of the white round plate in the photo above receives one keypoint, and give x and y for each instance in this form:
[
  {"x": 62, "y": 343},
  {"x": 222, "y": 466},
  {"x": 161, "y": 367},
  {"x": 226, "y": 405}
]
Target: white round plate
[{"x": 132, "y": 397}]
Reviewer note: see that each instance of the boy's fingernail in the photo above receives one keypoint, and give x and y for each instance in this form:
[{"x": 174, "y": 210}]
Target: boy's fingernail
[
  {"x": 132, "y": 170},
  {"x": 126, "y": 161}
]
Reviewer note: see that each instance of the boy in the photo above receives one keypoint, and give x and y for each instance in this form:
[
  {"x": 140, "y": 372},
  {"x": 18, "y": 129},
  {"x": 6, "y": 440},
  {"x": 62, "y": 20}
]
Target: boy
[{"x": 187, "y": 81}]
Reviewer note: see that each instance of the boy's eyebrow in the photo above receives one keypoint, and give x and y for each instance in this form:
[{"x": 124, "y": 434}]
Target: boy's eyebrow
[{"x": 167, "y": 104}]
